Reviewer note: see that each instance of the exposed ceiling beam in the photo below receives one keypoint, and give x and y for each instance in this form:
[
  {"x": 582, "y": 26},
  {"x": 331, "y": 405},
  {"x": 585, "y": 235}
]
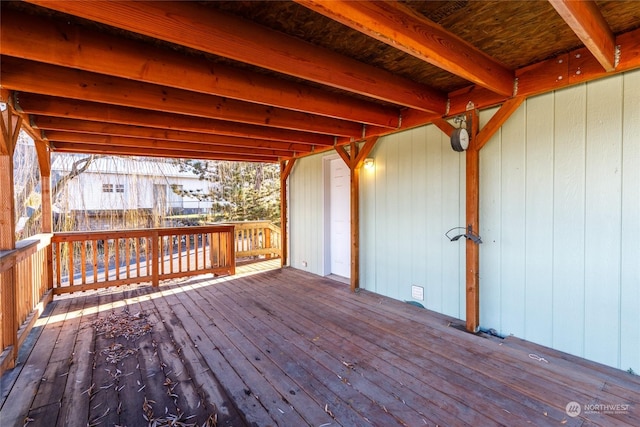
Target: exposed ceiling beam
[
  {"x": 207, "y": 30},
  {"x": 60, "y": 43},
  {"x": 51, "y": 107},
  {"x": 403, "y": 28},
  {"x": 74, "y": 148},
  {"x": 587, "y": 22},
  {"x": 23, "y": 75},
  {"x": 190, "y": 149},
  {"x": 95, "y": 128}
]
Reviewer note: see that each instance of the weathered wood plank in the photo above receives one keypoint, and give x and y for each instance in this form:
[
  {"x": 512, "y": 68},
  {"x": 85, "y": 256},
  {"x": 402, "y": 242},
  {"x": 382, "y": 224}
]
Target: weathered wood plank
[
  {"x": 356, "y": 397},
  {"x": 213, "y": 398},
  {"x": 274, "y": 358},
  {"x": 394, "y": 370},
  {"x": 56, "y": 373},
  {"x": 74, "y": 407},
  {"x": 536, "y": 382},
  {"x": 239, "y": 354},
  {"x": 234, "y": 382},
  {"x": 15, "y": 407},
  {"x": 253, "y": 346},
  {"x": 178, "y": 385},
  {"x": 103, "y": 396}
]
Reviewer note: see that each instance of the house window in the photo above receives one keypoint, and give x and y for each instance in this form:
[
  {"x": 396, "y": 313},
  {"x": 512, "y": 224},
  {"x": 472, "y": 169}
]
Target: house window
[
  {"x": 119, "y": 188},
  {"x": 107, "y": 188}
]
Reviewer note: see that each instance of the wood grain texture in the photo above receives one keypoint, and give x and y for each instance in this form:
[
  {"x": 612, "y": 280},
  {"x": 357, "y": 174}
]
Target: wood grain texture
[
  {"x": 226, "y": 35},
  {"x": 56, "y": 113},
  {"x": 30, "y": 37},
  {"x": 586, "y": 20},
  {"x": 81, "y": 85},
  {"x": 404, "y": 29},
  {"x": 285, "y": 347}
]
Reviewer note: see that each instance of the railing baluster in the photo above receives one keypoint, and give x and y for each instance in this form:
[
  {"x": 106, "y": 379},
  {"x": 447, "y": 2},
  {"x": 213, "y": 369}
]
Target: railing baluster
[
  {"x": 127, "y": 255},
  {"x": 188, "y": 243},
  {"x": 137, "y": 249},
  {"x": 83, "y": 263},
  {"x": 180, "y": 252},
  {"x": 94, "y": 249},
  {"x": 116, "y": 243},
  {"x": 58, "y": 252},
  {"x": 70, "y": 263},
  {"x": 157, "y": 259}
]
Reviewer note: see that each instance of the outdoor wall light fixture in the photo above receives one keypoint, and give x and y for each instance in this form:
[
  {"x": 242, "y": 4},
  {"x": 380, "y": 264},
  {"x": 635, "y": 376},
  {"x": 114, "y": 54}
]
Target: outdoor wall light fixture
[
  {"x": 368, "y": 163},
  {"x": 475, "y": 238}
]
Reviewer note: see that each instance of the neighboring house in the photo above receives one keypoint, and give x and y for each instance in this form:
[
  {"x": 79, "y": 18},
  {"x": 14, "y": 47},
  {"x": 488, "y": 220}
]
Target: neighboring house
[
  {"x": 559, "y": 221},
  {"x": 153, "y": 188}
]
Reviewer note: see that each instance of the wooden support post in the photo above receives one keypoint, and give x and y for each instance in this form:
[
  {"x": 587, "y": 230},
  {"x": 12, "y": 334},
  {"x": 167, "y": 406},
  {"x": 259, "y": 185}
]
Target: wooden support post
[
  {"x": 472, "y": 200},
  {"x": 9, "y": 130},
  {"x": 46, "y": 219},
  {"x": 285, "y": 170},
  {"x": 355, "y": 218},
  {"x": 473, "y": 225},
  {"x": 355, "y": 159},
  {"x": 478, "y": 140}
]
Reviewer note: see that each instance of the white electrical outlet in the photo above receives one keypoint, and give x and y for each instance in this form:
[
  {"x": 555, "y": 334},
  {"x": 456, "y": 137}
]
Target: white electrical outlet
[{"x": 304, "y": 263}]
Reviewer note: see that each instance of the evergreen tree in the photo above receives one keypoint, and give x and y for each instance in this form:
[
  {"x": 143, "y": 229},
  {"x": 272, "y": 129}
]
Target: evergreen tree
[{"x": 242, "y": 191}]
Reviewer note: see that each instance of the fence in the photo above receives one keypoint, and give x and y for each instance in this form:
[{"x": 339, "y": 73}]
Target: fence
[
  {"x": 24, "y": 292},
  {"x": 92, "y": 260}
]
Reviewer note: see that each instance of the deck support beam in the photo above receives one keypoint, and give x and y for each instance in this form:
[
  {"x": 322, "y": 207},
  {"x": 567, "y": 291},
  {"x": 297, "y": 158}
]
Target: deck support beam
[
  {"x": 354, "y": 160},
  {"x": 285, "y": 170}
]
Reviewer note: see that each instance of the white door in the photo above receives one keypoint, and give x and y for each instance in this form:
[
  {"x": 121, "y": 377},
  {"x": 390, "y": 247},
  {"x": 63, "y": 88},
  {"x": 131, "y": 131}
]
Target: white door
[{"x": 340, "y": 222}]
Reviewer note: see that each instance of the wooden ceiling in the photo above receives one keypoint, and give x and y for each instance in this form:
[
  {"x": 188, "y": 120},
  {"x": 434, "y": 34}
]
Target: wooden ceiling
[{"x": 270, "y": 80}]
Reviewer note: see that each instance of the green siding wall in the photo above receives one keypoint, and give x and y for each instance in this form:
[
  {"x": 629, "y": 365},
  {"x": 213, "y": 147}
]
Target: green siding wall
[{"x": 559, "y": 216}]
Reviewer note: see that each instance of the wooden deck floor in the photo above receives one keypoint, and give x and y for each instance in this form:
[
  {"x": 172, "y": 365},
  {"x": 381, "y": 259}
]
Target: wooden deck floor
[{"x": 283, "y": 347}]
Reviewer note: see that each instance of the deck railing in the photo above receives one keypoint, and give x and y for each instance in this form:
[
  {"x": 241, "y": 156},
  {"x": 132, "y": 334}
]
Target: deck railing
[
  {"x": 92, "y": 260},
  {"x": 24, "y": 292},
  {"x": 256, "y": 238},
  {"x": 48, "y": 264}
]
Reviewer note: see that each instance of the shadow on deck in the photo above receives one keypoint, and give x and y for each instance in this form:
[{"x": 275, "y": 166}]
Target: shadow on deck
[{"x": 274, "y": 346}]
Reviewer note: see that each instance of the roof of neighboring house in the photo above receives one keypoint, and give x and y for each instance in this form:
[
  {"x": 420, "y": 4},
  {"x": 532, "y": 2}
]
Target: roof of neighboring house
[{"x": 125, "y": 165}]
